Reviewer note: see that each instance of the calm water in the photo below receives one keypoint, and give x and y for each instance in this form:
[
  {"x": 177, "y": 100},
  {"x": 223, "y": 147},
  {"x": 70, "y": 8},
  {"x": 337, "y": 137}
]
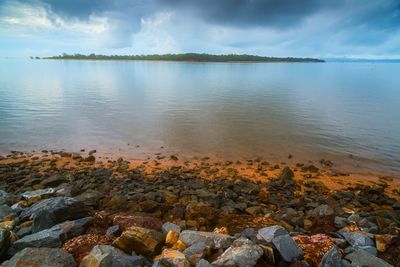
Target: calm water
[{"x": 231, "y": 111}]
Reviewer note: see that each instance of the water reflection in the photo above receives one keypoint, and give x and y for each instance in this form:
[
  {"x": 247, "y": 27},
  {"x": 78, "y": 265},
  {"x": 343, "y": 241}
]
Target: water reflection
[{"x": 225, "y": 110}]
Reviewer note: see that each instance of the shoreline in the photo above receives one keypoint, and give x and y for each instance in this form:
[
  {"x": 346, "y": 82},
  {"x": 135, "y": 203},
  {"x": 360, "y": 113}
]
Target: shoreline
[{"x": 319, "y": 208}]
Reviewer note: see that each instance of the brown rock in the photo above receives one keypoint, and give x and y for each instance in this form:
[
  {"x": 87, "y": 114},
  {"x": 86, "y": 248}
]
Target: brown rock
[
  {"x": 384, "y": 241},
  {"x": 126, "y": 221},
  {"x": 171, "y": 238},
  {"x": 81, "y": 246},
  {"x": 170, "y": 257},
  {"x": 140, "y": 240}
]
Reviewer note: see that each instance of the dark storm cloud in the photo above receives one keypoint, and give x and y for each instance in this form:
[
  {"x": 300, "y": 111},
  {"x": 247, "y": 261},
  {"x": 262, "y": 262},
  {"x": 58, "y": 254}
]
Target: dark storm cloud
[{"x": 283, "y": 13}]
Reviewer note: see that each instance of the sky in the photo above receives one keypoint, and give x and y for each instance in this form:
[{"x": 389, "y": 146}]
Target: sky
[{"x": 299, "y": 28}]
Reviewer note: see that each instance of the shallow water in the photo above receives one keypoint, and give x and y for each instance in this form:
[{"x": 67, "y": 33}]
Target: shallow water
[{"x": 225, "y": 110}]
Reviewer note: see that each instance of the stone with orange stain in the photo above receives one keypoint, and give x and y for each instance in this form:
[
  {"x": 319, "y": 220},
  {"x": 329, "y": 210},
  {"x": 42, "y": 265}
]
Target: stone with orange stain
[
  {"x": 81, "y": 246},
  {"x": 126, "y": 221},
  {"x": 140, "y": 240},
  {"x": 179, "y": 245},
  {"x": 171, "y": 238},
  {"x": 314, "y": 247},
  {"x": 170, "y": 257}
]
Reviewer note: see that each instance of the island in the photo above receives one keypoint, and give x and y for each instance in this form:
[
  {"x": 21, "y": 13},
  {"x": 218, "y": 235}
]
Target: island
[{"x": 188, "y": 57}]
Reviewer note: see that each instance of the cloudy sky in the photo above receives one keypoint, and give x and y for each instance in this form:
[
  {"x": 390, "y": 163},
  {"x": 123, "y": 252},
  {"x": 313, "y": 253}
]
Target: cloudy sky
[{"x": 314, "y": 28}]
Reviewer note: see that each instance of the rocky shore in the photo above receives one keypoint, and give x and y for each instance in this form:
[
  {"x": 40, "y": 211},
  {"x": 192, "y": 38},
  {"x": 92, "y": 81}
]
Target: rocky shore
[{"x": 70, "y": 209}]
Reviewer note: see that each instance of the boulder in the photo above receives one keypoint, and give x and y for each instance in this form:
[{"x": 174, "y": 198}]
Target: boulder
[
  {"x": 6, "y": 198},
  {"x": 203, "y": 263},
  {"x": 36, "y": 195},
  {"x": 49, "y": 212},
  {"x": 166, "y": 227},
  {"x": 195, "y": 252},
  {"x": 6, "y": 213},
  {"x": 269, "y": 233},
  {"x": 4, "y": 242},
  {"x": 287, "y": 248},
  {"x": 140, "y": 240},
  {"x": 172, "y": 258},
  {"x": 357, "y": 238},
  {"x": 362, "y": 258},
  {"x": 109, "y": 256},
  {"x": 215, "y": 240},
  {"x": 332, "y": 258},
  {"x": 242, "y": 253},
  {"x": 43, "y": 257},
  {"x": 53, "y": 237}
]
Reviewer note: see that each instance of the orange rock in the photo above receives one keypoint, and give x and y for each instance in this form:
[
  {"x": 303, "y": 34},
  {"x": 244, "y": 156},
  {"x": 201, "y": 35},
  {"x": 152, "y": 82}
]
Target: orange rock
[
  {"x": 171, "y": 238},
  {"x": 170, "y": 257},
  {"x": 314, "y": 247},
  {"x": 80, "y": 246},
  {"x": 179, "y": 245}
]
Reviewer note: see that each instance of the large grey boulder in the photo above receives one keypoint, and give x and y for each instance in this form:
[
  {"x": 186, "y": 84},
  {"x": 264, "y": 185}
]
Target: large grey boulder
[
  {"x": 41, "y": 257},
  {"x": 287, "y": 248},
  {"x": 362, "y": 258},
  {"x": 49, "y": 212},
  {"x": 109, "y": 256},
  {"x": 242, "y": 253},
  {"x": 215, "y": 240},
  {"x": 195, "y": 252},
  {"x": 356, "y": 238},
  {"x": 332, "y": 258},
  {"x": 53, "y": 237},
  {"x": 6, "y": 213},
  {"x": 269, "y": 233}
]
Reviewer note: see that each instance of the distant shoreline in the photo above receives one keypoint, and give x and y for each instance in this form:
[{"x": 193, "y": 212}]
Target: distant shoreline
[{"x": 191, "y": 57}]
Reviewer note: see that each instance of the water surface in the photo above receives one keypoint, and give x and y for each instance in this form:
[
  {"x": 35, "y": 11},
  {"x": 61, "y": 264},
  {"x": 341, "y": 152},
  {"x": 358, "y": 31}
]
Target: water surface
[{"x": 225, "y": 110}]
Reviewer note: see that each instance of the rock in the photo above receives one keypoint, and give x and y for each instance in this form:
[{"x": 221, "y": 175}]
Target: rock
[
  {"x": 49, "y": 212},
  {"x": 36, "y": 195},
  {"x": 171, "y": 238},
  {"x": 126, "y": 221},
  {"x": 81, "y": 246},
  {"x": 242, "y": 253},
  {"x": 214, "y": 240},
  {"x": 9, "y": 225},
  {"x": 322, "y": 210},
  {"x": 356, "y": 238},
  {"x": 6, "y": 213},
  {"x": 166, "y": 227},
  {"x": 203, "y": 263},
  {"x": 54, "y": 181},
  {"x": 332, "y": 258},
  {"x": 340, "y": 222},
  {"x": 4, "y": 242},
  {"x": 269, "y": 233},
  {"x": 6, "y": 198},
  {"x": 362, "y": 258},
  {"x": 109, "y": 256},
  {"x": 314, "y": 247},
  {"x": 286, "y": 173},
  {"x": 195, "y": 252},
  {"x": 141, "y": 240},
  {"x": 114, "y": 230},
  {"x": 41, "y": 257},
  {"x": 384, "y": 241},
  {"x": 53, "y": 237},
  {"x": 90, "y": 198},
  {"x": 172, "y": 258},
  {"x": 287, "y": 248}
]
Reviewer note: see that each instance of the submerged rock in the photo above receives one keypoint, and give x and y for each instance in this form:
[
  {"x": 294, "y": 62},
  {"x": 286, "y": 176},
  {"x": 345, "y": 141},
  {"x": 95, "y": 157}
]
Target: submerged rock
[
  {"x": 214, "y": 240},
  {"x": 43, "y": 257},
  {"x": 242, "y": 253},
  {"x": 109, "y": 256}
]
